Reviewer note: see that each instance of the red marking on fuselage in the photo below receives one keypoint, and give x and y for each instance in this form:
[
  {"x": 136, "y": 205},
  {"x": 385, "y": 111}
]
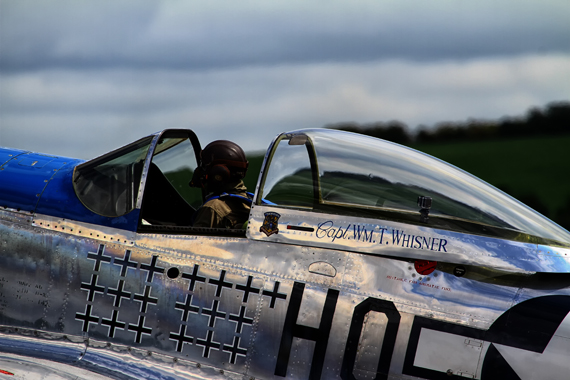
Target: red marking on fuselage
[{"x": 425, "y": 267}]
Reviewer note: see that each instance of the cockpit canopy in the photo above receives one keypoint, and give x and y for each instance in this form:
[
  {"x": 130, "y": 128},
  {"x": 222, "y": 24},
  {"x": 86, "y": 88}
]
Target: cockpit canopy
[
  {"x": 317, "y": 171},
  {"x": 345, "y": 173}
]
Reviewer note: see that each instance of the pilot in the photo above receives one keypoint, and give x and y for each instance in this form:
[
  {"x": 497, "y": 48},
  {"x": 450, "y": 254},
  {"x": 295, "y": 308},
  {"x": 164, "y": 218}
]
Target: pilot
[{"x": 227, "y": 203}]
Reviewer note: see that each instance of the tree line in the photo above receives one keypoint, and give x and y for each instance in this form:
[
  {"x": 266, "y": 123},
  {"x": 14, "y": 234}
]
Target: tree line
[{"x": 553, "y": 119}]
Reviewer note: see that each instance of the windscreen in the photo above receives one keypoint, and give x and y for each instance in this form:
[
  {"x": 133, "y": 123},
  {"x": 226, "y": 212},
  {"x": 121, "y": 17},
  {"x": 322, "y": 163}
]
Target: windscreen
[
  {"x": 176, "y": 159},
  {"x": 109, "y": 185}
]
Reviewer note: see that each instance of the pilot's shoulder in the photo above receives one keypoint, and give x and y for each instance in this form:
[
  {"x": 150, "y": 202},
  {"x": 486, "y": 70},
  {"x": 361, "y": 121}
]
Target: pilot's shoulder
[{"x": 218, "y": 205}]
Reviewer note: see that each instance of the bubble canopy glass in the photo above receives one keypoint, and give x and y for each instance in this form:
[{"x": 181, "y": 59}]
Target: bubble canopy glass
[{"x": 332, "y": 171}]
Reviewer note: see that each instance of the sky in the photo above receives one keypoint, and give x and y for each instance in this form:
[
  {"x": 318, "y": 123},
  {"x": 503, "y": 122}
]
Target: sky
[{"x": 79, "y": 78}]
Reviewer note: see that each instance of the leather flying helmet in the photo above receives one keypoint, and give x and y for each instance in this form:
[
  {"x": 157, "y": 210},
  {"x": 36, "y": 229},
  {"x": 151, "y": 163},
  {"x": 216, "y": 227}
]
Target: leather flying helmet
[{"x": 222, "y": 161}]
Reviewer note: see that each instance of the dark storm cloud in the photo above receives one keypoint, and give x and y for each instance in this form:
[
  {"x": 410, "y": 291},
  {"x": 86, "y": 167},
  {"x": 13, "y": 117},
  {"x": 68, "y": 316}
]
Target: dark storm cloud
[{"x": 224, "y": 34}]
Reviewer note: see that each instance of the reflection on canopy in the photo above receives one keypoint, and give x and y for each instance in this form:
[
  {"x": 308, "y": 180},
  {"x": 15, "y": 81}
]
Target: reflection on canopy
[{"x": 346, "y": 173}]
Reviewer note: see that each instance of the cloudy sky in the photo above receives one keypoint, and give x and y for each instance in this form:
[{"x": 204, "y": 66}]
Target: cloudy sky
[{"x": 79, "y": 78}]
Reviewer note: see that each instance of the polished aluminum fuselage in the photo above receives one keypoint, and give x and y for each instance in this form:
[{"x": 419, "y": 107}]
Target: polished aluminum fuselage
[
  {"x": 345, "y": 282},
  {"x": 261, "y": 306}
]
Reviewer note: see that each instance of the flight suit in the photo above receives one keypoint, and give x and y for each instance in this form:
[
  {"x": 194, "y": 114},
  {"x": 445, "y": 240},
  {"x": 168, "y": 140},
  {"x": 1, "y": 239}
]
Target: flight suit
[{"x": 223, "y": 210}]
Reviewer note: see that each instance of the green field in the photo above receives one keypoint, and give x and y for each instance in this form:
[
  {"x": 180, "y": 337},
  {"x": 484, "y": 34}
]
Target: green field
[
  {"x": 525, "y": 168},
  {"x": 533, "y": 170}
]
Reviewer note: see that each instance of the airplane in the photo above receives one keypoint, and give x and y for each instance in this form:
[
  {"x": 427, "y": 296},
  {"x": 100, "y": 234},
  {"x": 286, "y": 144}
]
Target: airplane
[{"x": 361, "y": 259}]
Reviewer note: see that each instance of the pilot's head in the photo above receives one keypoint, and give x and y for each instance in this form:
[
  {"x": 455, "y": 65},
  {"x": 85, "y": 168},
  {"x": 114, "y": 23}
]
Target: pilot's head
[{"x": 222, "y": 164}]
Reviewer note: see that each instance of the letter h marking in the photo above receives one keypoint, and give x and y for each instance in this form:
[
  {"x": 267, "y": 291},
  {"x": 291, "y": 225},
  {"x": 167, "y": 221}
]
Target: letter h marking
[{"x": 319, "y": 335}]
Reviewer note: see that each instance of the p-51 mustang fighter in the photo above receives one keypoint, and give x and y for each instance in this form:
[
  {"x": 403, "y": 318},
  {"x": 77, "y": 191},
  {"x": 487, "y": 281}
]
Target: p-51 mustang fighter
[{"x": 361, "y": 259}]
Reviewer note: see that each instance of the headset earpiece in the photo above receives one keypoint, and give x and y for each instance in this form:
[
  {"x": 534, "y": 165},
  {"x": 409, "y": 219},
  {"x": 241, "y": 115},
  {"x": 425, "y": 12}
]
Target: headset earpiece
[{"x": 219, "y": 173}]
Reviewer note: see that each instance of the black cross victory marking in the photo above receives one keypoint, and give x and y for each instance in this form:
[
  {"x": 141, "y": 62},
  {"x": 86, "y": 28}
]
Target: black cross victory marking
[
  {"x": 274, "y": 294},
  {"x": 240, "y": 319},
  {"x": 193, "y": 277},
  {"x": 92, "y": 288},
  {"x": 151, "y": 268},
  {"x": 214, "y": 313},
  {"x": 247, "y": 289},
  {"x": 125, "y": 263},
  {"x": 140, "y": 329},
  {"x": 181, "y": 338},
  {"x": 119, "y": 293},
  {"x": 235, "y": 350},
  {"x": 187, "y": 307},
  {"x": 220, "y": 283},
  {"x": 87, "y": 318},
  {"x": 98, "y": 257},
  {"x": 113, "y": 323},
  {"x": 208, "y": 344},
  {"x": 145, "y": 298}
]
